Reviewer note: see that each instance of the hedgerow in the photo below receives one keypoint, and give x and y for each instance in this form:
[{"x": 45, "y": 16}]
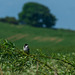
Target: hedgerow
[{"x": 16, "y": 61}]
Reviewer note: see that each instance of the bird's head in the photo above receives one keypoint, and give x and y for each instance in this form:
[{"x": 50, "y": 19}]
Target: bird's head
[{"x": 26, "y": 45}]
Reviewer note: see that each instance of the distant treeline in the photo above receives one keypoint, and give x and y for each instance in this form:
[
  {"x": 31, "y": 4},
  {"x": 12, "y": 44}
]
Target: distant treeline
[
  {"x": 33, "y": 14},
  {"x": 11, "y": 20}
]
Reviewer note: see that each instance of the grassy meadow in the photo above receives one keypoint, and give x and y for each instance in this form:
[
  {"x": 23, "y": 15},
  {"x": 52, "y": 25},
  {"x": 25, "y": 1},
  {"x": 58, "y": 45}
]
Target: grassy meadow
[
  {"x": 52, "y": 52},
  {"x": 48, "y": 40}
]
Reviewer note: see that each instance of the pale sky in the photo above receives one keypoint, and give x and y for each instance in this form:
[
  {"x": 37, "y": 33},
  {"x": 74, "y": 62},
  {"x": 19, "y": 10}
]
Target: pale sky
[{"x": 64, "y": 10}]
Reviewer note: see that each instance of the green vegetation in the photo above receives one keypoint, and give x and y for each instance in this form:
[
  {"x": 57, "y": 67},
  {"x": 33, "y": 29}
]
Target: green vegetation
[
  {"x": 10, "y": 20},
  {"x": 37, "y": 15},
  {"x": 52, "y": 52},
  {"x": 14, "y": 61},
  {"x": 48, "y": 40}
]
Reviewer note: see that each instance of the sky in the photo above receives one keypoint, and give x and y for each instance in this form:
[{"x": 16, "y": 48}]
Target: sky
[{"x": 64, "y": 10}]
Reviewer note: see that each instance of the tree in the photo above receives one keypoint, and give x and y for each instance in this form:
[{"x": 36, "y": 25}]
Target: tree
[
  {"x": 11, "y": 20},
  {"x": 37, "y": 15}
]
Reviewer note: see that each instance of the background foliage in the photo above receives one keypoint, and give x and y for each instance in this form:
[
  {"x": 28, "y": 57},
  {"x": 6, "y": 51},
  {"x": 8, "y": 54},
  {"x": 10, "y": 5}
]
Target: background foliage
[
  {"x": 10, "y": 20},
  {"x": 37, "y": 15}
]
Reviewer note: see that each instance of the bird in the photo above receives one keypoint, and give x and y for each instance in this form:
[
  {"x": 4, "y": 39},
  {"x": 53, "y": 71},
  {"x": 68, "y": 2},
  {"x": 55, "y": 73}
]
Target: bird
[{"x": 26, "y": 48}]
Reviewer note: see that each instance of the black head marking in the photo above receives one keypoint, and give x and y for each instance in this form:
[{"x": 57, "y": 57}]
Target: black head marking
[{"x": 26, "y": 44}]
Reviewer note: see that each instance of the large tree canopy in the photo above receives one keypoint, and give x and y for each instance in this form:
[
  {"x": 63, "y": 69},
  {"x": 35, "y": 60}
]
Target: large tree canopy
[{"x": 37, "y": 15}]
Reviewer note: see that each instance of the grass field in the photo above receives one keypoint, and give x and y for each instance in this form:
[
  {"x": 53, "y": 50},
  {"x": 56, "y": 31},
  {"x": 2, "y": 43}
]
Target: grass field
[
  {"x": 48, "y": 40},
  {"x": 52, "y": 52}
]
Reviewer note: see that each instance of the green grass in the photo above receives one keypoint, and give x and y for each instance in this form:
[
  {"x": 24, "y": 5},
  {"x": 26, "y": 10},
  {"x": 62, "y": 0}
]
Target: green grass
[{"x": 48, "y": 40}]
